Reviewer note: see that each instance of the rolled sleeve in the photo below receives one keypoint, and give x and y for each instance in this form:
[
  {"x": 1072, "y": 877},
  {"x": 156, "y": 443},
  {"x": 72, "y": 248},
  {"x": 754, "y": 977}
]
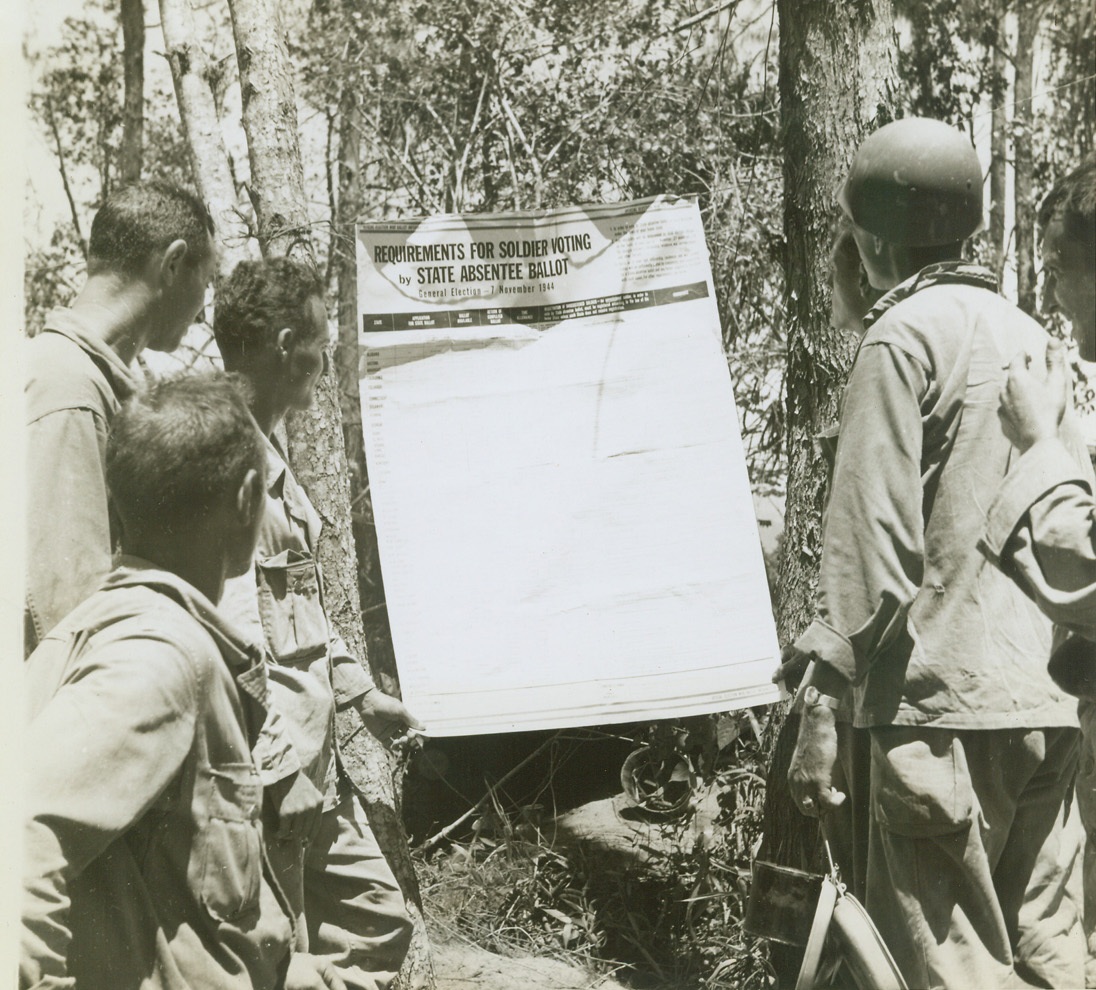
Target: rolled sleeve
[
  {"x": 349, "y": 678},
  {"x": 1042, "y": 533},
  {"x": 1045, "y": 466},
  {"x": 821, "y": 641}
]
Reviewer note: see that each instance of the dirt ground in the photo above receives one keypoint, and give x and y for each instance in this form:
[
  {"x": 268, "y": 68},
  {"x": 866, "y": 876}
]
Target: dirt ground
[
  {"x": 615, "y": 830},
  {"x": 459, "y": 966}
]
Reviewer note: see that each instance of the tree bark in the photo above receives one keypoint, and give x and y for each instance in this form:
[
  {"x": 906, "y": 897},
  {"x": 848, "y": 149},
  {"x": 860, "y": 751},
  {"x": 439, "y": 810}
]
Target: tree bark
[
  {"x": 269, "y": 104},
  {"x": 209, "y": 164},
  {"x": 317, "y": 449},
  {"x": 133, "y": 108},
  {"x": 1028, "y": 14},
  {"x": 837, "y": 82},
  {"x": 345, "y": 265}
]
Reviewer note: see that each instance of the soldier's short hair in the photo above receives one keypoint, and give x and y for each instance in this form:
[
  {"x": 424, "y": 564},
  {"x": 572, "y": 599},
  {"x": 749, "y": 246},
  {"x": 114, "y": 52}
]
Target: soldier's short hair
[
  {"x": 260, "y": 296},
  {"x": 1073, "y": 202},
  {"x": 142, "y": 219},
  {"x": 179, "y": 447}
]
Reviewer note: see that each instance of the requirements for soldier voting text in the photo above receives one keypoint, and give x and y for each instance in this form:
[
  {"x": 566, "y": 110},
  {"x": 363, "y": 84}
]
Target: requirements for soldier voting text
[{"x": 565, "y": 523}]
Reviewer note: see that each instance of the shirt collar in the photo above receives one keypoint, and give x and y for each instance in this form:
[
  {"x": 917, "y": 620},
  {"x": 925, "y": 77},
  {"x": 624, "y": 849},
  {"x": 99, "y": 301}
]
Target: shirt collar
[
  {"x": 275, "y": 465},
  {"x": 67, "y": 323},
  {"x": 940, "y": 273},
  {"x": 235, "y": 647}
]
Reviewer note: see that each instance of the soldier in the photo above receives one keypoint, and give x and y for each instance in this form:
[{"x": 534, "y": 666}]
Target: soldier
[
  {"x": 151, "y": 258},
  {"x": 972, "y": 845},
  {"x": 271, "y": 327},
  {"x": 1042, "y": 526},
  {"x": 143, "y": 860}
]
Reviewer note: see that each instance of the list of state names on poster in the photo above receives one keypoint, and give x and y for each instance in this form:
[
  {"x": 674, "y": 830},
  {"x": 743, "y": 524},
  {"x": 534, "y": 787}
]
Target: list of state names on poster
[{"x": 563, "y": 513}]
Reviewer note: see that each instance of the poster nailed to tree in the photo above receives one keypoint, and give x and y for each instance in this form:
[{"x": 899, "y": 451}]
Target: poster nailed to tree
[{"x": 565, "y": 523}]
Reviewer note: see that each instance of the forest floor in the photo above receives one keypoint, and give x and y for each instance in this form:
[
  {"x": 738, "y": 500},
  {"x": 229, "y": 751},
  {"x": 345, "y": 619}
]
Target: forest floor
[
  {"x": 543, "y": 906},
  {"x": 463, "y": 965},
  {"x": 553, "y": 878}
]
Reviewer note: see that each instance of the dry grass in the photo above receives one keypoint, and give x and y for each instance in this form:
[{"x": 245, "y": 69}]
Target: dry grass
[{"x": 670, "y": 922}]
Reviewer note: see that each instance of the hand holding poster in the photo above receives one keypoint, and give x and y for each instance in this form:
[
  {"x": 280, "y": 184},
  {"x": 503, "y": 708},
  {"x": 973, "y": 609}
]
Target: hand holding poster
[{"x": 564, "y": 518}]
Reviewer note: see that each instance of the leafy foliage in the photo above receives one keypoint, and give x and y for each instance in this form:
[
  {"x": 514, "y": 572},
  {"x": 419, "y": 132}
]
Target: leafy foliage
[{"x": 76, "y": 101}]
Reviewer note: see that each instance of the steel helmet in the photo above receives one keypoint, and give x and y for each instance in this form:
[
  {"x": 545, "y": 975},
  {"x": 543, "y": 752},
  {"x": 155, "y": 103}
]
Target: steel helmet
[{"x": 915, "y": 182}]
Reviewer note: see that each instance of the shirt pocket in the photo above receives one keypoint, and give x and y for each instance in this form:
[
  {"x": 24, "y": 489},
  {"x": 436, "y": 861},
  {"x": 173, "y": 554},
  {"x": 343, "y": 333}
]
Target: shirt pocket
[
  {"x": 230, "y": 864},
  {"x": 920, "y": 782},
  {"x": 290, "y": 606}
]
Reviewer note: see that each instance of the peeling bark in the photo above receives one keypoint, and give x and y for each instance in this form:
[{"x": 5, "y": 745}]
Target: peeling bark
[
  {"x": 131, "y": 153},
  {"x": 1028, "y": 15},
  {"x": 191, "y": 74},
  {"x": 998, "y": 165}
]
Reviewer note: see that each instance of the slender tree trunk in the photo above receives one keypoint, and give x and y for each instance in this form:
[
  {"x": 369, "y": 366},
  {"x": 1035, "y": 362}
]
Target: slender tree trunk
[
  {"x": 209, "y": 163},
  {"x": 837, "y": 82},
  {"x": 133, "y": 110},
  {"x": 1028, "y": 14},
  {"x": 74, "y": 213},
  {"x": 270, "y": 123},
  {"x": 345, "y": 265},
  {"x": 998, "y": 166},
  {"x": 316, "y": 447}
]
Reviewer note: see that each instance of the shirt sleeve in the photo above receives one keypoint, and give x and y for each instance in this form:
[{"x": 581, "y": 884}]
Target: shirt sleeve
[
  {"x": 99, "y": 753},
  {"x": 349, "y": 678},
  {"x": 274, "y": 753},
  {"x": 68, "y": 524},
  {"x": 1042, "y": 532},
  {"x": 873, "y": 532}
]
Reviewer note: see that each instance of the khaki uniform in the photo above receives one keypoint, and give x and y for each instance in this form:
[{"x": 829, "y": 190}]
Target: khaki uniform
[
  {"x": 351, "y": 904},
  {"x": 971, "y": 867},
  {"x": 75, "y": 384},
  {"x": 143, "y": 857}
]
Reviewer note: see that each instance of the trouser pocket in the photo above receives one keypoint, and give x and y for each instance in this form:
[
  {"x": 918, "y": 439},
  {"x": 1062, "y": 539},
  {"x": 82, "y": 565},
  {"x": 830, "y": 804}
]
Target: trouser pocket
[{"x": 920, "y": 781}]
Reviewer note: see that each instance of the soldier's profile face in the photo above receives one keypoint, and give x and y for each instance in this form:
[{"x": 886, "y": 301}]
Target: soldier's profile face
[
  {"x": 187, "y": 299},
  {"x": 1069, "y": 282},
  {"x": 308, "y": 356}
]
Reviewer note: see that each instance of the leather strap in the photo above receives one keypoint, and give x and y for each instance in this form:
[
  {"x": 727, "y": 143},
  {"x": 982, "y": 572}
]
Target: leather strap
[{"x": 812, "y": 955}]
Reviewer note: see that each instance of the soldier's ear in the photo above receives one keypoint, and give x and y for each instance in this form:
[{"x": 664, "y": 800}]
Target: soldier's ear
[
  {"x": 171, "y": 262},
  {"x": 249, "y": 498},
  {"x": 283, "y": 341}
]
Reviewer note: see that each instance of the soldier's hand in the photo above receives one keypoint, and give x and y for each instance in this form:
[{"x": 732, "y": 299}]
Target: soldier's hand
[
  {"x": 793, "y": 664},
  {"x": 1032, "y": 409},
  {"x": 388, "y": 719},
  {"x": 308, "y": 972},
  {"x": 814, "y": 767},
  {"x": 299, "y": 807}
]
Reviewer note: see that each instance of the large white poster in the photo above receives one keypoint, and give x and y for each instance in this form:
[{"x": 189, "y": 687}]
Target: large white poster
[{"x": 565, "y": 523}]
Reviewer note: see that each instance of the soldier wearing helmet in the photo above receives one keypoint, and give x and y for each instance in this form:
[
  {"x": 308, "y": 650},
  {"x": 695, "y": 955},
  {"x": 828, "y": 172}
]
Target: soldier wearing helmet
[{"x": 973, "y": 844}]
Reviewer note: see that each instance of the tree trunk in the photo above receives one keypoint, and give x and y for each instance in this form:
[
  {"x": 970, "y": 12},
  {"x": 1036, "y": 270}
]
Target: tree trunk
[
  {"x": 316, "y": 447},
  {"x": 837, "y": 82},
  {"x": 55, "y": 133},
  {"x": 133, "y": 108},
  {"x": 209, "y": 164},
  {"x": 270, "y": 123},
  {"x": 345, "y": 265},
  {"x": 1028, "y": 14},
  {"x": 998, "y": 165}
]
